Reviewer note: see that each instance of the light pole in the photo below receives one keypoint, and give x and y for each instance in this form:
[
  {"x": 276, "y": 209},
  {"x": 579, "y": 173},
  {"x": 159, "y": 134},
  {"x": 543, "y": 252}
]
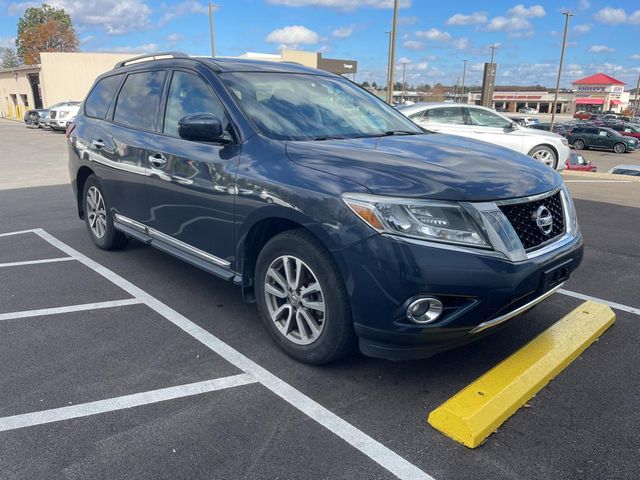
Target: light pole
[
  {"x": 404, "y": 71},
  {"x": 392, "y": 53},
  {"x": 213, "y": 42},
  {"x": 635, "y": 111},
  {"x": 493, "y": 51},
  {"x": 464, "y": 71},
  {"x": 564, "y": 43}
]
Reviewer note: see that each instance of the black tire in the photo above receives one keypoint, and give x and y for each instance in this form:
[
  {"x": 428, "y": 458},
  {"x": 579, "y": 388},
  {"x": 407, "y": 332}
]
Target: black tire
[
  {"x": 578, "y": 144},
  {"x": 111, "y": 239},
  {"x": 620, "y": 148},
  {"x": 337, "y": 337}
]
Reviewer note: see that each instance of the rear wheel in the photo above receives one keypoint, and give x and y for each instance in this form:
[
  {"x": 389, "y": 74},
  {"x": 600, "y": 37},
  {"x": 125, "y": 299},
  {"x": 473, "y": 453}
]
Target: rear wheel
[
  {"x": 98, "y": 218},
  {"x": 578, "y": 144},
  {"x": 619, "y": 148},
  {"x": 302, "y": 299},
  {"x": 545, "y": 155}
]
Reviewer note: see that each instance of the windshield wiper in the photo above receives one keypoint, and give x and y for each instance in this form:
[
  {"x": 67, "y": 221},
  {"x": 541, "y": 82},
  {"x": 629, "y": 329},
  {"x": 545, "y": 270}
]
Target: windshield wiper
[
  {"x": 400, "y": 132},
  {"x": 329, "y": 137}
]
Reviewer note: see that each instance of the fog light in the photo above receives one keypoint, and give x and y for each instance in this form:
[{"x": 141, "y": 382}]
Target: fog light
[{"x": 424, "y": 310}]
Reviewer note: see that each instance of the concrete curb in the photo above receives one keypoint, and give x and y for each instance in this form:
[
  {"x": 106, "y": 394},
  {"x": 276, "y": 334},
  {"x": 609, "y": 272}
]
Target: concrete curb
[{"x": 600, "y": 176}]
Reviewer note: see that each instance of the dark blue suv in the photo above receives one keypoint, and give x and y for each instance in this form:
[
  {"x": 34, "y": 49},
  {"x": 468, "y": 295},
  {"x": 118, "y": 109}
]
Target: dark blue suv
[{"x": 345, "y": 222}]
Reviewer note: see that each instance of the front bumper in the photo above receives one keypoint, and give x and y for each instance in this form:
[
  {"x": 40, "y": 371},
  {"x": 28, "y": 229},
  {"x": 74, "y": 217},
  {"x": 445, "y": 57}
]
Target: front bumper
[{"x": 480, "y": 291}]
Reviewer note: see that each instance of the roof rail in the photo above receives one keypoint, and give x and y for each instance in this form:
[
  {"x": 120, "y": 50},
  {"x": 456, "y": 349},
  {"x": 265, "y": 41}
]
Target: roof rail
[{"x": 152, "y": 56}]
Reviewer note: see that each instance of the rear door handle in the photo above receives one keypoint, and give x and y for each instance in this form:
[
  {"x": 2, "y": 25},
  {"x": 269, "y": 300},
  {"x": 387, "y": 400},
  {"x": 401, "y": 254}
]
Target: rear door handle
[
  {"x": 98, "y": 144},
  {"x": 158, "y": 160}
]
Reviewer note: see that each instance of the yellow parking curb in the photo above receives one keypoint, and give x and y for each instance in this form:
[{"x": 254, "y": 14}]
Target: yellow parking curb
[{"x": 475, "y": 412}]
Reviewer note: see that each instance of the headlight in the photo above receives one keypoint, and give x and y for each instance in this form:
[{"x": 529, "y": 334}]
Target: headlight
[
  {"x": 63, "y": 114},
  {"x": 565, "y": 142},
  {"x": 430, "y": 220}
]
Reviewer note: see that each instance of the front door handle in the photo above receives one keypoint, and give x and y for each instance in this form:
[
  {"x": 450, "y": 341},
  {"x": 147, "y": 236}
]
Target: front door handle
[
  {"x": 158, "y": 160},
  {"x": 98, "y": 144}
]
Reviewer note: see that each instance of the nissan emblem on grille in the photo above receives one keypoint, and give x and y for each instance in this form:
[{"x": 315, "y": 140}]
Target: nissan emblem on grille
[{"x": 543, "y": 219}]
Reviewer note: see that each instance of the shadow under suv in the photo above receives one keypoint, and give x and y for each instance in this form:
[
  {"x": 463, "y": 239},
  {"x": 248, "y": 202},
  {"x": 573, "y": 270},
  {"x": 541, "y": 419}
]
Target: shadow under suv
[{"x": 344, "y": 221}]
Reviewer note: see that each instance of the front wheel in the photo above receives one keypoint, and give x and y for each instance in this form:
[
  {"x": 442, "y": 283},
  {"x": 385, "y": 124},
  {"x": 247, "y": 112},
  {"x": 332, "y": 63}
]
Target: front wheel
[
  {"x": 302, "y": 298},
  {"x": 578, "y": 144},
  {"x": 98, "y": 217},
  {"x": 545, "y": 155},
  {"x": 619, "y": 148}
]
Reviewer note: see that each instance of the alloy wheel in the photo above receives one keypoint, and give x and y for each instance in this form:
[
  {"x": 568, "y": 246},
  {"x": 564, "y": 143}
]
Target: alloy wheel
[
  {"x": 545, "y": 156},
  {"x": 619, "y": 148},
  {"x": 96, "y": 212},
  {"x": 295, "y": 300}
]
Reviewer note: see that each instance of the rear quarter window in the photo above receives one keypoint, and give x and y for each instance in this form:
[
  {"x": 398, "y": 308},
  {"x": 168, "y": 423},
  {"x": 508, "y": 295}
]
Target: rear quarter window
[
  {"x": 98, "y": 101},
  {"x": 139, "y": 100}
]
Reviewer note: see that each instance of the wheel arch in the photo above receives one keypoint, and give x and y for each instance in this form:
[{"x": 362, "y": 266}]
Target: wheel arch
[{"x": 84, "y": 172}]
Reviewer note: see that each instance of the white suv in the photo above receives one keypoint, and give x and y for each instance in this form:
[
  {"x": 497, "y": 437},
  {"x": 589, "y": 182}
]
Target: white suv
[
  {"x": 59, "y": 117},
  {"x": 485, "y": 124}
]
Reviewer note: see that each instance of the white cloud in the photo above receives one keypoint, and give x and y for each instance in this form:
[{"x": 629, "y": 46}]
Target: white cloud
[
  {"x": 7, "y": 42},
  {"x": 174, "y": 39},
  {"x": 601, "y": 49},
  {"x": 341, "y": 4},
  {"x": 342, "y": 32},
  {"x": 616, "y": 16},
  {"x": 413, "y": 45},
  {"x": 114, "y": 16},
  {"x": 584, "y": 5},
  {"x": 407, "y": 20},
  {"x": 471, "y": 19},
  {"x": 582, "y": 28},
  {"x": 524, "y": 12},
  {"x": 461, "y": 43},
  {"x": 508, "y": 23},
  {"x": 188, "y": 7},
  {"x": 434, "y": 34},
  {"x": 422, "y": 66},
  {"x": 292, "y": 36},
  {"x": 87, "y": 39},
  {"x": 146, "y": 48},
  {"x": 635, "y": 56}
]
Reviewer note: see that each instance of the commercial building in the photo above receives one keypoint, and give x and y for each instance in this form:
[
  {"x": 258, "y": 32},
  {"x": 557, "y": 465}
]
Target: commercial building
[
  {"x": 68, "y": 76},
  {"x": 59, "y": 77},
  {"x": 600, "y": 92}
]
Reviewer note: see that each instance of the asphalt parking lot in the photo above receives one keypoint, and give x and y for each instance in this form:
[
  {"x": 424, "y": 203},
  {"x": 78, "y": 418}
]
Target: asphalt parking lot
[{"x": 134, "y": 365}]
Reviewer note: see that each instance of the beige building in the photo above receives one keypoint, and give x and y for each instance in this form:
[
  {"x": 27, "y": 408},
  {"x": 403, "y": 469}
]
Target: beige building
[
  {"x": 308, "y": 59},
  {"x": 59, "y": 77}
]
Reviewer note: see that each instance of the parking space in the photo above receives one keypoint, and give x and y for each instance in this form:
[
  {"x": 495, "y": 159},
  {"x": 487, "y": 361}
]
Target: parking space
[{"x": 151, "y": 368}]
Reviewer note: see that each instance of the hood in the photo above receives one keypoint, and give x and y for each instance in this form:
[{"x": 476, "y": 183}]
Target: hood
[
  {"x": 539, "y": 133},
  {"x": 437, "y": 166}
]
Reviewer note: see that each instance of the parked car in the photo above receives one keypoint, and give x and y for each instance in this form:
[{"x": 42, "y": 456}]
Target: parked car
[
  {"x": 626, "y": 170},
  {"x": 528, "y": 110},
  {"x": 524, "y": 121},
  {"x": 582, "y": 115},
  {"x": 401, "y": 241},
  {"x": 558, "y": 128},
  {"x": 61, "y": 116},
  {"x": 628, "y": 129},
  {"x": 481, "y": 123},
  {"x": 577, "y": 162},
  {"x": 601, "y": 138},
  {"x": 32, "y": 118}
]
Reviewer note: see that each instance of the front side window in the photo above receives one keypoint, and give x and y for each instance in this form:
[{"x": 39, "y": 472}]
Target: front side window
[
  {"x": 292, "y": 106},
  {"x": 446, "y": 115},
  {"x": 188, "y": 94},
  {"x": 483, "y": 118},
  {"x": 416, "y": 116},
  {"x": 99, "y": 99},
  {"x": 139, "y": 100}
]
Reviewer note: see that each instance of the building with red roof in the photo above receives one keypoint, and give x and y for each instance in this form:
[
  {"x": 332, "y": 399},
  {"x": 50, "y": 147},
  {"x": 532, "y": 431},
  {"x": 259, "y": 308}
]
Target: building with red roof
[{"x": 598, "y": 93}]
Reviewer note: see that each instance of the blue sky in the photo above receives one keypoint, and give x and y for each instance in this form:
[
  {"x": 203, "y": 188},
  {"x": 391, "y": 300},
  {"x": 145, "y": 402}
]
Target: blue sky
[{"x": 434, "y": 37}]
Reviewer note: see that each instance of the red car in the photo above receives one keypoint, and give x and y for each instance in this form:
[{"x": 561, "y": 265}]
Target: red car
[
  {"x": 582, "y": 115},
  {"x": 578, "y": 162},
  {"x": 627, "y": 130}
]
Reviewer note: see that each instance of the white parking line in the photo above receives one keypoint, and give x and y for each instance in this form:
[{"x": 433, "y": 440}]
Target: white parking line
[
  {"x": 19, "y": 232},
  {"x": 36, "y": 262},
  {"x": 121, "y": 403},
  {"x": 375, "y": 450},
  {"x": 69, "y": 308},
  {"x": 582, "y": 296}
]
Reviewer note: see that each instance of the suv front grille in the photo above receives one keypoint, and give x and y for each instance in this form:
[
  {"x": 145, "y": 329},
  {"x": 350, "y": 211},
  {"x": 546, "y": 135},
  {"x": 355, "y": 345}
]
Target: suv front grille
[
  {"x": 52, "y": 114},
  {"x": 523, "y": 219}
]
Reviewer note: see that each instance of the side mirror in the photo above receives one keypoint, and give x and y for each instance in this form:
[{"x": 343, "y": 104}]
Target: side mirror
[
  {"x": 201, "y": 127},
  {"x": 513, "y": 126}
]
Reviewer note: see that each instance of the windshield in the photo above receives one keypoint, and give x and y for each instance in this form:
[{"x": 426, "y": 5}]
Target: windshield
[{"x": 288, "y": 106}]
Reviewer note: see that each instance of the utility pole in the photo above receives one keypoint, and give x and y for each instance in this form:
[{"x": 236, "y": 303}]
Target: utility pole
[
  {"x": 404, "y": 83},
  {"x": 635, "y": 111},
  {"x": 213, "y": 42},
  {"x": 392, "y": 53},
  {"x": 464, "y": 71},
  {"x": 564, "y": 43},
  {"x": 493, "y": 51}
]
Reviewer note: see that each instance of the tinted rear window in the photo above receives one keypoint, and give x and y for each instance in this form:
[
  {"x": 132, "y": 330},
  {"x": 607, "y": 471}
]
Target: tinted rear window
[
  {"x": 100, "y": 97},
  {"x": 139, "y": 100}
]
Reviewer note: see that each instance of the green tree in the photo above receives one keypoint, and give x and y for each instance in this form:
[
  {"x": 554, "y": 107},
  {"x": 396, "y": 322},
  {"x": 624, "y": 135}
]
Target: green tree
[
  {"x": 374, "y": 85},
  {"x": 44, "y": 29},
  {"x": 365, "y": 84},
  {"x": 9, "y": 58}
]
